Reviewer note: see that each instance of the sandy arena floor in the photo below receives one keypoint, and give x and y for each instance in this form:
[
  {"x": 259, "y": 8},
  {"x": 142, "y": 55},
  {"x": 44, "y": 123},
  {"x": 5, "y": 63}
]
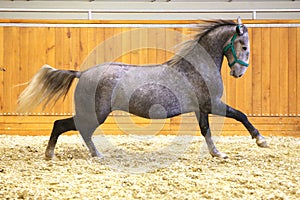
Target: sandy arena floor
[{"x": 141, "y": 167}]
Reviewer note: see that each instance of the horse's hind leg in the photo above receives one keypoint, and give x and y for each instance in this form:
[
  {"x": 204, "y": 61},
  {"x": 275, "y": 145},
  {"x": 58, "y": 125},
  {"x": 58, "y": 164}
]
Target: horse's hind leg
[
  {"x": 87, "y": 124},
  {"x": 205, "y": 131},
  {"x": 59, "y": 127},
  {"x": 87, "y": 137}
]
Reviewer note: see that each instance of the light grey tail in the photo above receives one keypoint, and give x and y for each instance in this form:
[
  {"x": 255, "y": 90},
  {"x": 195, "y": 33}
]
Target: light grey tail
[{"x": 48, "y": 85}]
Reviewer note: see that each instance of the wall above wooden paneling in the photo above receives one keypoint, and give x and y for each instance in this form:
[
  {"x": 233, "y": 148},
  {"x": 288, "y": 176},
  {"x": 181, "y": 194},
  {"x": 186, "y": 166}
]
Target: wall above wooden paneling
[{"x": 160, "y": 9}]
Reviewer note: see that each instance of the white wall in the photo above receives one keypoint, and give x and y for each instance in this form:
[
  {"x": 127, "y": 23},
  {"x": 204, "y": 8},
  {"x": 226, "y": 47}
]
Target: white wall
[{"x": 142, "y": 9}]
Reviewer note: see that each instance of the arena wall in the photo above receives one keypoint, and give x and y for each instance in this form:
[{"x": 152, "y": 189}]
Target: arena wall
[{"x": 269, "y": 92}]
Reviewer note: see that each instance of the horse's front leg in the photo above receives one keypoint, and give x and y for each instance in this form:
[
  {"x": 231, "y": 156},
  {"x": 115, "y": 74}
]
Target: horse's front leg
[
  {"x": 241, "y": 117},
  {"x": 205, "y": 131}
]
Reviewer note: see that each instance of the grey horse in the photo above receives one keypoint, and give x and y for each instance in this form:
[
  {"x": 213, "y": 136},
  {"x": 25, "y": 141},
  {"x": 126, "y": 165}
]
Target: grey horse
[{"x": 190, "y": 82}]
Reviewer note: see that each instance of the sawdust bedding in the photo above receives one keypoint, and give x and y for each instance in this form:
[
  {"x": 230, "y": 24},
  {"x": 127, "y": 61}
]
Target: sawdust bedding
[{"x": 160, "y": 167}]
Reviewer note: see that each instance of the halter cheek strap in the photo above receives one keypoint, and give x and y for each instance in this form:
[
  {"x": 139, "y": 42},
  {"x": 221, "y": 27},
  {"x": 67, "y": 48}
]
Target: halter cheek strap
[{"x": 231, "y": 47}]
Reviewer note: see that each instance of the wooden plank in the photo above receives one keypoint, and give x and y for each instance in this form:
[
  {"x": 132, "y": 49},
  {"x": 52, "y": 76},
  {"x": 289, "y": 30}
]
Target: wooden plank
[
  {"x": 248, "y": 101},
  {"x": 284, "y": 72},
  {"x": 15, "y": 68},
  {"x": 152, "y": 57},
  {"x": 31, "y": 125},
  {"x": 109, "y": 44},
  {"x": 117, "y": 50},
  {"x": 46, "y": 132},
  {"x": 122, "y": 119},
  {"x": 91, "y": 46},
  {"x": 239, "y": 127},
  {"x": 143, "y": 46},
  {"x": 83, "y": 50},
  {"x": 161, "y": 45},
  {"x": 275, "y": 72},
  {"x": 298, "y": 72},
  {"x": 24, "y": 57},
  {"x": 292, "y": 71},
  {"x": 173, "y": 39},
  {"x": 126, "y": 45},
  {"x": 99, "y": 44},
  {"x": 10, "y": 61},
  {"x": 257, "y": 71},
  {"x": 135, "y": 46},
  {"x": 2, "y": 73},
  {"x": 266, "y": 68}
]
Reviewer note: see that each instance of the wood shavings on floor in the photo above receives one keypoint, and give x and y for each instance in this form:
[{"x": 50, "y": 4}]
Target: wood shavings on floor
[{"x": 154, "y": 167}]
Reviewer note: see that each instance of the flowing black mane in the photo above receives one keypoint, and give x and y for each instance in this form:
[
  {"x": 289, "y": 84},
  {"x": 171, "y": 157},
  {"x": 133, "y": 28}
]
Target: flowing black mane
[
  {"x": 203, "y": 29},
  {"x": 210, "y": 25}
]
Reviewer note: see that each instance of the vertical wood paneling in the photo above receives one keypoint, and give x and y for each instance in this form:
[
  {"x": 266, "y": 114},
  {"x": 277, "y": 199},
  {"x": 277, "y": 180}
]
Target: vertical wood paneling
[
  {"x": 99, "y": 39},
  {"x": 83, "y": 48},
  {"x": 11, "y": 57},
  {"x": 24, "y": 57},
  {"x": 143, "y": 52},
  {"x": 292, "y": 71},
  {"x": 152, "y": 46},
  {"x": 275, "y": 72},
  {"x": 117, "y": 51},
  {"x": 161, "y": 45},
  {"x": 173, "y": 37},
  {"x": 298, "y": 71},
  {"x": 269, "y": 87},
  {"x": 248, "y": 100},
  {"x": 265, "y": 70},
  {"x": 109, "y": 44},
  {"x": 126, "y": 45},
  {"x": 256, "y": 71},
  {"x": 283, "y": 75},
  {"x": 2, "y": 97},
  {"x": 16, "y": 67},
  {"x": 135, "y": 47}
]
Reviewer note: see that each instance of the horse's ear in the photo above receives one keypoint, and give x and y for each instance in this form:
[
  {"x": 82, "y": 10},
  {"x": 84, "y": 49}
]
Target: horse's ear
[
  {"x": 239, "y": 20},
  {"x": 240, "y": 28}
]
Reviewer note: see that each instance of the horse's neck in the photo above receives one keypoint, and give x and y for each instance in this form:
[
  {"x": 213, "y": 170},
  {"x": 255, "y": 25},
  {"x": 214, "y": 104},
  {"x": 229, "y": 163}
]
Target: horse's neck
[{"x": 214, "y": 43}]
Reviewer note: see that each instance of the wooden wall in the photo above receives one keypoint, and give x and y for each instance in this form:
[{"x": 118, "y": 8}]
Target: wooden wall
[{"x": 269, "y": 92}]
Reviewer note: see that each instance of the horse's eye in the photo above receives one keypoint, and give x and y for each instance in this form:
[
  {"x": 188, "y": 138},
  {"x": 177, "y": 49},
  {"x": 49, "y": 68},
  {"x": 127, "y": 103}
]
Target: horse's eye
[{"x": 245, "y": 48}]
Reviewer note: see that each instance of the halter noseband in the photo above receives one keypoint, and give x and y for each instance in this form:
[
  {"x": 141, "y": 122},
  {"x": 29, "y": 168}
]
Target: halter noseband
[{"x": 231, "y": 47}]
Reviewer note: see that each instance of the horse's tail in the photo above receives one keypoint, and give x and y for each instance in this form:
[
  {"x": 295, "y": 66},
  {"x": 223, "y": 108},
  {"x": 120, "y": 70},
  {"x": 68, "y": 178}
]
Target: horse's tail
[{"x": 48, "y": 85}]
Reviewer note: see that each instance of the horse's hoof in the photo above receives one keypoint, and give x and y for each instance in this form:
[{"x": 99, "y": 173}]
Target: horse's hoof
[
  {"x": 219, "y": 154},
  {"x": 49, "y": 157},
  {"x": 49, "y": 154},
  {"x": 97, "y": 155},
  {"x": 261, "y": 142}
]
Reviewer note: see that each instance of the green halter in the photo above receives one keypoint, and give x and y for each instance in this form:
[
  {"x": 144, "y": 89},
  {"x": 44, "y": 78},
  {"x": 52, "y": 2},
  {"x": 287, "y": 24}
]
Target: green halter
[{"x": 231, "y": 47}]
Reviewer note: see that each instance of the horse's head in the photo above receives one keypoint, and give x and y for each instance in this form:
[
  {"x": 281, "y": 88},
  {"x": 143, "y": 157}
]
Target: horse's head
[{"x": 237, "y": 50}]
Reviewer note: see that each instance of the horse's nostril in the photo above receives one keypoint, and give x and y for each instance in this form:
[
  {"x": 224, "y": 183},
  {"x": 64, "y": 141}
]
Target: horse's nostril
[{"x": 240, "y": 75}]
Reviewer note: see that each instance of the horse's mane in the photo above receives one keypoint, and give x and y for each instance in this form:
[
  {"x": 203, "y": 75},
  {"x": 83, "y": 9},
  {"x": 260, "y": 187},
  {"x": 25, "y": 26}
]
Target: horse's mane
[{"x": 202, "y": 29}]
